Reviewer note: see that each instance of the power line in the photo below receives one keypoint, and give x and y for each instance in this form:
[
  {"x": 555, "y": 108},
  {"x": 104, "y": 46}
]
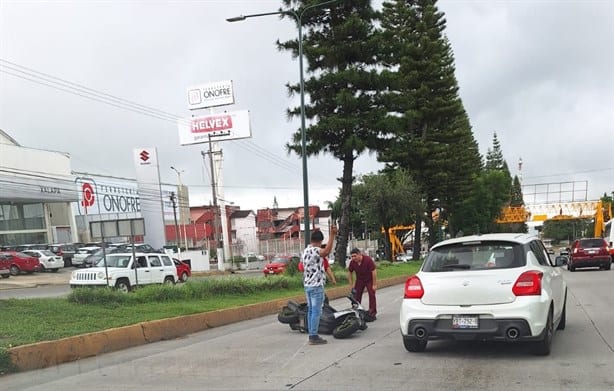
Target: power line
[{"x": 60, "y": 84}]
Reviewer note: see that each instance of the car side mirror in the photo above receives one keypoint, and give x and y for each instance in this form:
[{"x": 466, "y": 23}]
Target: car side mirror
[{"x": 560, "y": 261}]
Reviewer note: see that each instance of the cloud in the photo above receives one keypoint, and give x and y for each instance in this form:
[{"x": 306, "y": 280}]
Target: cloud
[{"x": 540, "y": 74}]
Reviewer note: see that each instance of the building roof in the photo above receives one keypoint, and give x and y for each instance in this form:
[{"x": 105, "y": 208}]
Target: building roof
[
  {"x": 241, "y": 214},
  {"x": 5, "y": 137},
  {"x": 324, "y": 213}
]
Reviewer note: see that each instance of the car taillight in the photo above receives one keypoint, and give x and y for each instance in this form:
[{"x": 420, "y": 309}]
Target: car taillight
[
  {"x": 528, "y": 283},
  {"x": 413, "y": 288}
]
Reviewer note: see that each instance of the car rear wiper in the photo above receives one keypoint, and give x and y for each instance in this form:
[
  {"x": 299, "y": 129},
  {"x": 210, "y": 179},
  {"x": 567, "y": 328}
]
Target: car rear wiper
[{"x": 456, "y": 266}]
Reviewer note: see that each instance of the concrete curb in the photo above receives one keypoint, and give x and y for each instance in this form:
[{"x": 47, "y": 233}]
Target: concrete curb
[{"x": 49, "y": 353}]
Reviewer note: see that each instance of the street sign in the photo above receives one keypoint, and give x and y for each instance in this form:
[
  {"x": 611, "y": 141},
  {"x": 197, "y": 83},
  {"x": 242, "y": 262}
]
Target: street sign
[{"x": 211, "y": 94}]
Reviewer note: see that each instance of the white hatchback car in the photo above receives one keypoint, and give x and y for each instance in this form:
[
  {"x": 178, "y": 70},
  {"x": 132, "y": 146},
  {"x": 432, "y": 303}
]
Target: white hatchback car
[
  {"x": 48, "y": 260},
  {"x": 500, "y": 287}
]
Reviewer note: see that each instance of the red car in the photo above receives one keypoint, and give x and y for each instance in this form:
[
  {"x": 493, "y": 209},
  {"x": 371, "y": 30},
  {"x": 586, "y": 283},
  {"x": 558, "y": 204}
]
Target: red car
[
  {"x": 20, "y": 262},
  {"x": 184, "y": 271},
  {"x": 593, "y": 252},
  {"x": 5, "y": 267},
  {"x": 278, "y": 264}
]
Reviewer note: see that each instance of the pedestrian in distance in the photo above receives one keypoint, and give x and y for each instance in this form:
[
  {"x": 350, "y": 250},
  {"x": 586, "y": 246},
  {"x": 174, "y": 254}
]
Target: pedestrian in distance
[
  {"x": 314, "y": 278},
  {"x": 366, "y": 277}
]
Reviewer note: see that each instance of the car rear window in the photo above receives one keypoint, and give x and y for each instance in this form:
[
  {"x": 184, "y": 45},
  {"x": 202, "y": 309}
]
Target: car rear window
[
  {"x": 475, "y": 256},
  {"x": 591, "y": 243}
]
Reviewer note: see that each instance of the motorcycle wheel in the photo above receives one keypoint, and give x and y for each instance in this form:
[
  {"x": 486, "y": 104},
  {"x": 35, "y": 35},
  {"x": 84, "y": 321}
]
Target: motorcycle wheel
[
  {"x": 287, "y": 315},
  {"x": 347, "y": 327}
]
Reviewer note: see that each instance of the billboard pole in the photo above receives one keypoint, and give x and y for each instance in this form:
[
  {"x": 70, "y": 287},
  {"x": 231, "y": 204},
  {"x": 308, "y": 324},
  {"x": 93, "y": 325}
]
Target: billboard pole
[{"x": 216, "y": 223}]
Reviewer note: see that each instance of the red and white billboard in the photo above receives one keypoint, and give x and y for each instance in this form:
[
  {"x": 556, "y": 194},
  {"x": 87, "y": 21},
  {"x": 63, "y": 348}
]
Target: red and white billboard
[{"x": 218, "y": 127}]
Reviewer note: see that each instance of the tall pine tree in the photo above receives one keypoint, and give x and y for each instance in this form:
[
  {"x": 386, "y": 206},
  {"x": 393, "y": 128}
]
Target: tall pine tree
[
  {"x": 432, "y": 135},
  {"x": 340, "y": 55}
]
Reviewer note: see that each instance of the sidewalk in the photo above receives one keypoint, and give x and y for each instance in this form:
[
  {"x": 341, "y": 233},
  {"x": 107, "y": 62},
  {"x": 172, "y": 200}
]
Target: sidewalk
[{"x": 36, "y": 279}]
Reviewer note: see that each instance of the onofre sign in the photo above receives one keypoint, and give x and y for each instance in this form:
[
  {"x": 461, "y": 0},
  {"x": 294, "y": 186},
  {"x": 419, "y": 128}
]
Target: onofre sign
[{"x": 211, "y": 94}]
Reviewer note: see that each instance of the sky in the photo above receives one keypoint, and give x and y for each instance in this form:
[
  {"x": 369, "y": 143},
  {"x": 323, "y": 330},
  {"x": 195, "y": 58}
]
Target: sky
[{"x": 539, "y": 74}]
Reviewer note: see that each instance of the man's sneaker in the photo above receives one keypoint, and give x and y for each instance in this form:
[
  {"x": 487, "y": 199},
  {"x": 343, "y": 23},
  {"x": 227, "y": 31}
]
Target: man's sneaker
[{"x": 317, "y": 340}]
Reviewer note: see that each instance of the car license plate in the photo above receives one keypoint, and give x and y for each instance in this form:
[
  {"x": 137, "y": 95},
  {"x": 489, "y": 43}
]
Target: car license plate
[
  {"x": 465, "y": 322},
  {"x": 591, "y": 251},
  {"x": 271, "y": 272}
]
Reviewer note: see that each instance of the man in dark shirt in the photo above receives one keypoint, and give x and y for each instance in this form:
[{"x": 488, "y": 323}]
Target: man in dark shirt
[{"x": 366, "y": 277}]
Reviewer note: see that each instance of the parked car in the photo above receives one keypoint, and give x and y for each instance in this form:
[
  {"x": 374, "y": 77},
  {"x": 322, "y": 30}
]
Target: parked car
[
  {"x": 20, "y": 262},
  {"x": 123, "y": 273},
  {"x": 23, "y": 247},
  {"x": 65, "y": 250},
  {"x": 500, "y": 287},
  {"x": 48, "y": 260},
  {"x": 592, "y": 252},
  {"x": 79, "y": 258},
  {"x": 5, "y": 267},
  {"x": 184, "y": 271},
  {"x": 278, "y": 264},
  {"x": 95, "y": 257},
  {"x": 404, "y": 257}
]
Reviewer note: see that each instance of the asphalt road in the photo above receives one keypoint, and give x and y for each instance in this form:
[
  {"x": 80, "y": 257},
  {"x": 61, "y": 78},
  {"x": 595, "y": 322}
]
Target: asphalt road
[{"x": 263, "y": 354}]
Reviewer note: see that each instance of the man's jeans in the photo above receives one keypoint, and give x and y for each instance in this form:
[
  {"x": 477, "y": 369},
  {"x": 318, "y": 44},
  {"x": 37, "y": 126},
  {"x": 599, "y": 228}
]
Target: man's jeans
[{"x": 315, "y": 300}]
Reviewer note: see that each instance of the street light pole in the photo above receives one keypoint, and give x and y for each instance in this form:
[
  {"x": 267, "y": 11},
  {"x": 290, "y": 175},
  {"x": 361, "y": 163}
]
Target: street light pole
[{"x": 299, "y": 23}]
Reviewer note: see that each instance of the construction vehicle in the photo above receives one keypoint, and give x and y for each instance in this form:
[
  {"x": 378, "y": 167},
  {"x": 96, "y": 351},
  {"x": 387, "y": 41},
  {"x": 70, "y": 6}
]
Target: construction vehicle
[
  {"x": 396, "y": 244},
  {"x": 603, "y": 214}
]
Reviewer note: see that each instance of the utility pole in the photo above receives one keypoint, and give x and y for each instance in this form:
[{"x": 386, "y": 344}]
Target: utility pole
[
  {"x": 174, "y": 202},
  {"x": 182, "y": 203}
]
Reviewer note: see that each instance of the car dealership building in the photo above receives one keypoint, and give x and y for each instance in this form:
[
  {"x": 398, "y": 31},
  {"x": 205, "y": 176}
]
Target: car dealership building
[{"x": 43, "y": 201}]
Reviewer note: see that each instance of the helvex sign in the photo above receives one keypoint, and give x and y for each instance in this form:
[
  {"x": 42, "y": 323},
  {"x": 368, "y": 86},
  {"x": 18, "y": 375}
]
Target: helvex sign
[
  {"x": 214, "y": 127},
  {"x": 211, "y": 124}
]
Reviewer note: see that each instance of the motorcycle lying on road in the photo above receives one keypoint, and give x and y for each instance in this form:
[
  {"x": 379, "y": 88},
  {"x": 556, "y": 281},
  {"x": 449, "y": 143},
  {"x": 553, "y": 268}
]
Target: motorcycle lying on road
[{"x": 341, "y": 324}]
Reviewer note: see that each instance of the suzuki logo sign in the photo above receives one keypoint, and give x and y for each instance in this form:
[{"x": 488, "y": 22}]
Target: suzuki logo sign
[{"x": 144, "y": 155}]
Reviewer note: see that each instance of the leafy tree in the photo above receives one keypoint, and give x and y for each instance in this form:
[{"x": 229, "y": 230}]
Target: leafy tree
[
  {"x": 339, "y": 52},
  {"x": 483, "y": 203},
  {"x": 387, "y": 199},
  {"x": 569, "y": 230},
  {"x": 432, "y": 135}
]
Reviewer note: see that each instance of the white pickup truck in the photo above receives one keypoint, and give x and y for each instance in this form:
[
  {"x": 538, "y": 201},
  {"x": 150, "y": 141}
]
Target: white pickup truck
[{"x": 123, "y": 273}]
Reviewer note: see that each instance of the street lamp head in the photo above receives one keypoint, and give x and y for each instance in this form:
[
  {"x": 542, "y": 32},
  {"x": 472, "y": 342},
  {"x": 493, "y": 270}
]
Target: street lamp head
[{"x": 236, "y": 19}]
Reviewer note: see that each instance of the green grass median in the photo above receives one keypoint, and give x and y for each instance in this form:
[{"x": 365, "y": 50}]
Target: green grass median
[{"x": 86, "y": 310}]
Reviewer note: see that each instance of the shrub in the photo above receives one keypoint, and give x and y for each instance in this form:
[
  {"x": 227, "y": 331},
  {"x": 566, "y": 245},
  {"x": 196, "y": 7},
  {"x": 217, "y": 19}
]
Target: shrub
[{"x": 97, "y": 296}]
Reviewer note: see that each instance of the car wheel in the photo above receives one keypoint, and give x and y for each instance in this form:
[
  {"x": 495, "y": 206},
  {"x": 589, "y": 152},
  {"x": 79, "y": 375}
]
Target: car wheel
[
  {"x": 123, "y": 285},
  {"x": 54, "y": 270},
  {"x": 607, "y": 266},
  {"x": 414, "y": 345},
  {"x": 42, "y": 268},
  {"x": 563, "y": 320},
  {"x": 168, "y": 280},
  {"x": 14, "y": 270},
  {"x": 184, "y": 277},
  {"x": 347, "y": 327},
  {"x": 542, "y": 348},
  {"x": 571, "y": 268},
  {"x": 6, "y": 275}
]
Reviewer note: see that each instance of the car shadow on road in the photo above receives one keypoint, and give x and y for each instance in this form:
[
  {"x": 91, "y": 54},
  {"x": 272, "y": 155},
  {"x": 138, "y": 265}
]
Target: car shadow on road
[{"x": 480, "y": 349}]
